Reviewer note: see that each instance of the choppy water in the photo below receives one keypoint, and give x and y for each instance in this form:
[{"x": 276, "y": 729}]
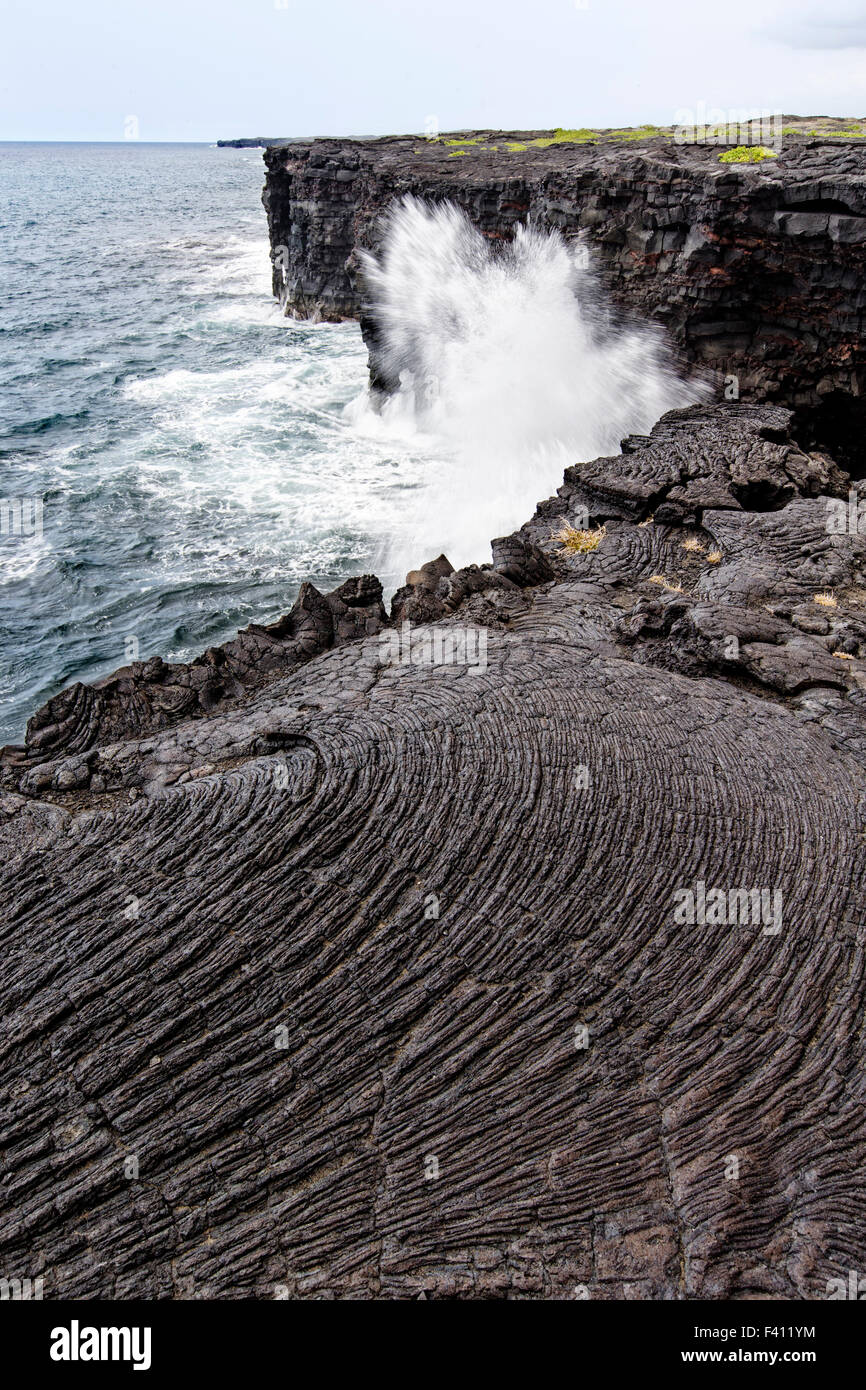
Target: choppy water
[
  {"x": 512, "y": 366},
  {"x": 198, "y": 455},
  {"x": 189, "y": 442}
]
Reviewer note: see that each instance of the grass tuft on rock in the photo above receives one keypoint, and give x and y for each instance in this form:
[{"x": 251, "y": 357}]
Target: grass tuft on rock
[{"x": 580, "y": 542}]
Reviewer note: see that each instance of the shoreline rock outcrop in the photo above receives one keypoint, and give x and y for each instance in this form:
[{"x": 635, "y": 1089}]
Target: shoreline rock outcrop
[{"x": 366, "y": 975}]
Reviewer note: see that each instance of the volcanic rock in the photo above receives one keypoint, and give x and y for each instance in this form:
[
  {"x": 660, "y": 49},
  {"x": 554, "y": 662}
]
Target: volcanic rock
[{"x": 329, "y": 974}]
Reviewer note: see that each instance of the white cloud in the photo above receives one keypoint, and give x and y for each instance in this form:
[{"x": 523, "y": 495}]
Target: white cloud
[{"x": 843, "y": 27}]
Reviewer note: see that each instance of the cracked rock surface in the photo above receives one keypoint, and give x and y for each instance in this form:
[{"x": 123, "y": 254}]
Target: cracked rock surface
[{"x": 360, "y": 974}]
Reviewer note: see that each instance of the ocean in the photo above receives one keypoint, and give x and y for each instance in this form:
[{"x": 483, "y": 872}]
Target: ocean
[
  {"x": 182, "y": 456},
  {"x": 187, "y": 441}
]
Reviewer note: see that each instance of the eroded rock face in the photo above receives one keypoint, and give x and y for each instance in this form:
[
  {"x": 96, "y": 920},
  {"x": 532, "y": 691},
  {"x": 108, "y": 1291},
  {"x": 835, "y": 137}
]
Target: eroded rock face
[
  {"x": 374, "y": 979},
  {"x": 755, "y": 270}
]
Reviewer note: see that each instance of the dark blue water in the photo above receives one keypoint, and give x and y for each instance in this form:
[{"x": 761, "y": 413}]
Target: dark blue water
[{"x": 189, "y": 444}]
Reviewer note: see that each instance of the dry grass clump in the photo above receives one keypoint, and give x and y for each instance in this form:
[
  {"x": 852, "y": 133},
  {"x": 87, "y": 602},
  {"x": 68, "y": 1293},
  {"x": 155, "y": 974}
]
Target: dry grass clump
[
  {"x": 692, "y": 543},
  {"x": 580, "y": 542},
  {"x": 661, "y": 580},
  {"x": 825, "y": 598},
  {"x": 844, "y": 656},
  {"x": 714, "y": 557}
]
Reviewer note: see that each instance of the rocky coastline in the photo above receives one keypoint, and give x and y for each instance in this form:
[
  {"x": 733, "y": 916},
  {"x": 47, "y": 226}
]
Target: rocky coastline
[
  {"x": 361, "y": 959},
  {"x": 755, "y": 270}
]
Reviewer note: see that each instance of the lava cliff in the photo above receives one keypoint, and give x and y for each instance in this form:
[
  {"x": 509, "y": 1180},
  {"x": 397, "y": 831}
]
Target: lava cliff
[{"x": 755, "y": 270}]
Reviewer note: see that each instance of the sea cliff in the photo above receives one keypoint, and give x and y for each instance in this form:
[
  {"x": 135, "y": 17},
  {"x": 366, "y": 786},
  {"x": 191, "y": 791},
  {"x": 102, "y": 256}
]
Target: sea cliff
[
  {"x": 755, "y": 270},
  {"x": 507, "y": 942}
]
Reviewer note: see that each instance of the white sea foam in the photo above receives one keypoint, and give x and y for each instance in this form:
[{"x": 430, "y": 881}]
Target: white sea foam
[
  {"x": 510, "y": 368},
  {"x": 22, "y": 557},
  {"x": 509, "y": 372},
  {"x": 264, "y": 449}
]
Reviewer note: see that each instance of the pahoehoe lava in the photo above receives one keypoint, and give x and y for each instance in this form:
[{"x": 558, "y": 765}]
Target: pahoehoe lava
[{"x": 372, "y": 967}]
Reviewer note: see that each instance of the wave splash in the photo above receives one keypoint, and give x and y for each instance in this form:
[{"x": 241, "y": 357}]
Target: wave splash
[{"x": 509, "y": 367}]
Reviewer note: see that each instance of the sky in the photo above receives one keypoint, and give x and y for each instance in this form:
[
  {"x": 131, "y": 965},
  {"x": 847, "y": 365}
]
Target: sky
[{"x": 209, "y": 69}]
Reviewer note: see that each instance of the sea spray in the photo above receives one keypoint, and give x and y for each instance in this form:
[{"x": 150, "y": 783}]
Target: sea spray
[{"x": 510, "y": 366}]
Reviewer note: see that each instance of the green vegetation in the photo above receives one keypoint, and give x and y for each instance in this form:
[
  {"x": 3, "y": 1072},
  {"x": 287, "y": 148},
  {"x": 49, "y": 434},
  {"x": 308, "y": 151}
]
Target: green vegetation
[
  {"x": 565, "y": 137},
  {"x": 746, "y": 154},
  {"x": 585, "y": 136},
  {"x": 573, "y": 137},
  {"x": 836, "y": 134},
  {"x": 644, "y": 132},
  {"x": 739, "y": 154},
  {"x": 855, "y": 134}
]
